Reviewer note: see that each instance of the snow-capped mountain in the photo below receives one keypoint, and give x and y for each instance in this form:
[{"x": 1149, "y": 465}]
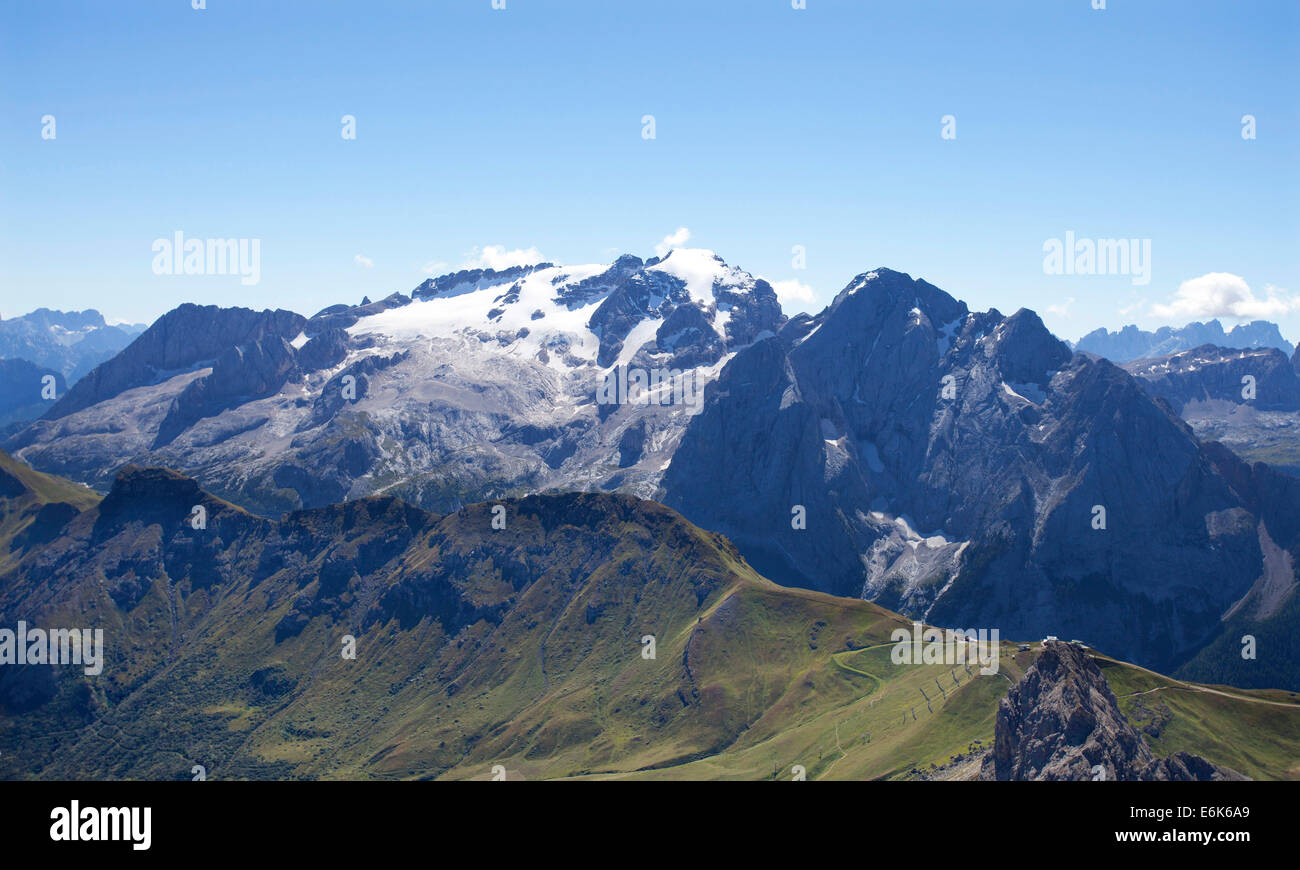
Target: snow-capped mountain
[
  {"x": 479, "y": 384},
  {"x": 965, "y": 466}
]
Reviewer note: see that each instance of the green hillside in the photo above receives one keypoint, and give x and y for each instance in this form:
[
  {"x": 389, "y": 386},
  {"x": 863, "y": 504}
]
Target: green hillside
[
  {"x": 479, "y": 646},
  {"x": 24, "y": 492}
]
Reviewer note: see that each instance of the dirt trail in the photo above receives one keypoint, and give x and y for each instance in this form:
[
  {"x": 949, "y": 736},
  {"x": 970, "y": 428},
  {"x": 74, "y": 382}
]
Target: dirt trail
[{"x": 1209, "y": 691}]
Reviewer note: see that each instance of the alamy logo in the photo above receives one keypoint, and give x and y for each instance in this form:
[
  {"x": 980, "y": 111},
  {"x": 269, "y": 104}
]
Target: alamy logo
[
  {"x": 102, "y": 823},
  {"x": 630, "y": 386},
  {"x": 57, "y": 646},
  {"x": 1073, "y": 256},
  {"x": 181, "y": 256},
  {"x": 933, "y": 646}
]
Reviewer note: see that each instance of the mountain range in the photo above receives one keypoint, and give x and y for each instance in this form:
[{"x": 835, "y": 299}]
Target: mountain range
[
  {"x": 69, "y": 342},
  {"x": 476, "y": 384},
  {"x": 1249, "y": 400},
  {"x": 1130, "y": 342},
  {"x": 966, "y": 468},
  {"x": 63, "y": 345}
]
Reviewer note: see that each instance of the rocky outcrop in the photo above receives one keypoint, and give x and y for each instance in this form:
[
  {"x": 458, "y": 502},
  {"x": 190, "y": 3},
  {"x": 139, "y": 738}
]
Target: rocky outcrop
[
  {"x": 1063, "y": 722},
  {"x": 1209, "y": 373},
  {"x": 177, "y": 341},
  {"x": 340, "y": 317},
  {"x": 467, "y": 280},
  {"x": 581, "y": 293},
  {"x": 242, "y": 373},
  {"x": 688, "y": 336},
  {"x": 641, "y": 294}
]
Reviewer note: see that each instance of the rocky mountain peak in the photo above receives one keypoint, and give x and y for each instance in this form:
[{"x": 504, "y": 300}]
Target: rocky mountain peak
[
  {"x": 135, "y": 482},
  {"x": 1028, "y": 352},
  {"x": 161, "y": 496},
  {"x": 181, "y": 339},
  {"x": 1063, "y": 722}
]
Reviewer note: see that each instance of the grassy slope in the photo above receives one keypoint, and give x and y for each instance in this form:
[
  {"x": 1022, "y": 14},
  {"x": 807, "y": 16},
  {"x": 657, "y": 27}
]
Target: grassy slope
[
  {"x": 1252, "y": 731},
  {"x": 17, "y": 513},
  {"x": 749, "y": 680}
]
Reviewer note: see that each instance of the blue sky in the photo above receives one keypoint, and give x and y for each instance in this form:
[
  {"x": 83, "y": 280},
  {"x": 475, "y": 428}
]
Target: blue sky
[{"x": 774, "y": 127}]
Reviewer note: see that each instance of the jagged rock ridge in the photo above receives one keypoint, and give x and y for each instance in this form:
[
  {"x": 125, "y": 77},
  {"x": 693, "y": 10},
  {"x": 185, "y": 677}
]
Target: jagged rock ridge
[
  {"x": 1063, "y": 722},
  {"x": 1131, "y": 343}
]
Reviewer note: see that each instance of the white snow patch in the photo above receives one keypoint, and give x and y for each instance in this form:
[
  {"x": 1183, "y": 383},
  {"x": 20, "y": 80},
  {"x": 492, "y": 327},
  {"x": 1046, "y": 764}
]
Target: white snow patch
[{"x": 946, "y": 333}]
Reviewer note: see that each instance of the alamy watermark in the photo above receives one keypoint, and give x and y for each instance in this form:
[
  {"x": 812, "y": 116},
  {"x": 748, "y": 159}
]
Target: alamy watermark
[
  {"x": 90, "y": 824},
  {"x": 934, "y": 646},
  {"x": 57, "y": 646},
  {"x": 1071, "y": 256},
  {"x": 181, "y": 256},
  {"x": 633, "y": 386}
]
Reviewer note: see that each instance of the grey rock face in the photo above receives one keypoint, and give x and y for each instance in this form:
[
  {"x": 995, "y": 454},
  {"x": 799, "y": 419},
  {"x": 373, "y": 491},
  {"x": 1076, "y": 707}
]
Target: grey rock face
[
  {"x": 177, "y": 341},
  {"x": 579, "y": 294},
  {"x": 340, "y": 317},
  {"x": 687, "y": 334},
  {"x": 642, "y": 294},
  {"x": 1062, "y": 722},
  {"x": 956, "y": 466},
  {"x": 1210, "y": 373},
  {"x": 243, "y": 372},
  {"x": 1247, "y": 399}
]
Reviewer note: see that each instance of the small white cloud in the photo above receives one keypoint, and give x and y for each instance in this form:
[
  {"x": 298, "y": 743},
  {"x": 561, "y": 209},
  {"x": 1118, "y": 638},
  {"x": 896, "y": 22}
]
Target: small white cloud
[
  {"x": 497, "y": 257},
  {"x": 364, "y": 262},
  {"x": 434, "y": 267},
  {"x": 1221, "y": 294},
  {"x": 672, "y": 240},
  {"x": 793, "y": 291},
  {"x": 1062, "y": 310},
  {"x": 1132, "y": 308}
]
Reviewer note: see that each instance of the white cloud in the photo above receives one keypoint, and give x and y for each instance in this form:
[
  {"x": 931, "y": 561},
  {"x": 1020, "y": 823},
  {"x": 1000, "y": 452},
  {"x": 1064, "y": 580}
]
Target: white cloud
[
  {"x": 1062, "y": 310},
  {"x": 1131, "y": 308},
  {"x": 1220, "y": 294},
  {"x": 672, "y": 240},
  {"x": 363, "y": 261},
  {"x": 434, "y": 267},
  {"x": 497, "y": 257},
  {"x": 793, "y": 291}
]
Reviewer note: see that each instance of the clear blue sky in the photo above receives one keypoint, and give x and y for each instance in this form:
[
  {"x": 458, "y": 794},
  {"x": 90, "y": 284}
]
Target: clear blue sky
[{"x": 775, "y": 127}]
